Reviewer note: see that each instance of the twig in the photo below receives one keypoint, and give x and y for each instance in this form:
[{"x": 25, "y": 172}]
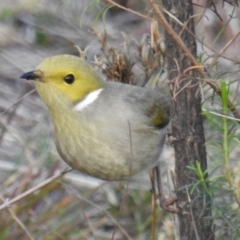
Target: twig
[
  {"x": 193, "y": 60},
  {"x": 152, "y": 175},
  {"x": 96, "y": 206},
  {"x": 223, "y": 50},
  {"x": 193, "y": 219},
  {"x": 8, "y": 202},
  {"x": 125, "y": 194},
  {"x": 129, "y": 10},
  {"x": 18, "y": 101},
  {"x": 20, "y": 223}
]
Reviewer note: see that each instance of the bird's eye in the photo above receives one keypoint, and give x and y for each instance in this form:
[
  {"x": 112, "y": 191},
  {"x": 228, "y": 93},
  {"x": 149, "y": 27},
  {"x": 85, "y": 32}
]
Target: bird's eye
[{"x": 69, "y": 79}]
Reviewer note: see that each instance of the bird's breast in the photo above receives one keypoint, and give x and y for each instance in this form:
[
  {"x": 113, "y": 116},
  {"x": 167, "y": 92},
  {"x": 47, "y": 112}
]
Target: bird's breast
[{"x": 103, "y": 149}]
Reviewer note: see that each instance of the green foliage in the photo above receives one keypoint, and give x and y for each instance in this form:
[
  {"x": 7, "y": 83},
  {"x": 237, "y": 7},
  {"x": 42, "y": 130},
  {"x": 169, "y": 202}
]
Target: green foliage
[
  {"x": 5, "y": 13},
  {"x": 202, "y": 179},
  {"x": 223, "y": 177}
]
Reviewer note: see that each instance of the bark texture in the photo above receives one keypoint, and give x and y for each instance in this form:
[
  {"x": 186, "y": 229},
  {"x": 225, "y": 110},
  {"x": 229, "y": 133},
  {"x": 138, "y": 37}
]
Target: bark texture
[{"x": 187, "y": 126}]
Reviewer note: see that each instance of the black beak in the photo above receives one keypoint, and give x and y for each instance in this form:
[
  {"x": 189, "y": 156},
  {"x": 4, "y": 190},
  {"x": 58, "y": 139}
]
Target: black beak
[{"x": 33, "y": 75}]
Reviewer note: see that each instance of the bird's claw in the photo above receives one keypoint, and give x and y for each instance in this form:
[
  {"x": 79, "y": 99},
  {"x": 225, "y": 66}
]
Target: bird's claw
[{"x": 165, "y": 204}]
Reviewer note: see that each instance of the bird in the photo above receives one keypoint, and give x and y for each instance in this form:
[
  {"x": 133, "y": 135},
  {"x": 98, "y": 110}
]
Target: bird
[{"x": 109, "y": 130}]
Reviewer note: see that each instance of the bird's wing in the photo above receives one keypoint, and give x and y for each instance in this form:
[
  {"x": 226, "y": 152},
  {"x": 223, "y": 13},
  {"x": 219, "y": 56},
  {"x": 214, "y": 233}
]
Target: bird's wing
[
  {"x": 140, "y": 106},
  {"x": 152, "y": 104}
]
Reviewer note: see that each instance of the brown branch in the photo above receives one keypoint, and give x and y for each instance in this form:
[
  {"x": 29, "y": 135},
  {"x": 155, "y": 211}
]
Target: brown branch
[
  {"x": 171, "y": 32},
  {"x": 223, "y": 50},
  {"x": 162, "y": 20}
]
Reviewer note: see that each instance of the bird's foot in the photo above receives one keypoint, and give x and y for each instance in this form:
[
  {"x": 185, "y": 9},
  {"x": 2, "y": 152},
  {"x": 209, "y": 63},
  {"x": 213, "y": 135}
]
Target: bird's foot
[{"x": 166, "y": 203}]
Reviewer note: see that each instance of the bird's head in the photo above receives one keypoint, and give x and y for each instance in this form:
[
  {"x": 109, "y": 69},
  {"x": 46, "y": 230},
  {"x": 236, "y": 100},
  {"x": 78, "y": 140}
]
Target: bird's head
[{"x": 65, "y": 75}]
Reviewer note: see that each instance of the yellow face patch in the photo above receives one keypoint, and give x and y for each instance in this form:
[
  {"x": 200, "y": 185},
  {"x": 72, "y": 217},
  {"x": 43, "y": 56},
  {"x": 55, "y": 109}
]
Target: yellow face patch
[{"x": 71, "y": 75}]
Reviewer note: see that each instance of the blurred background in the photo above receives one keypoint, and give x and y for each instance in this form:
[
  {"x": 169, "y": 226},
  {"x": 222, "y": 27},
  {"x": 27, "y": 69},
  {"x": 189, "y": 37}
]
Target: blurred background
[{"x": 76, "y": 206}]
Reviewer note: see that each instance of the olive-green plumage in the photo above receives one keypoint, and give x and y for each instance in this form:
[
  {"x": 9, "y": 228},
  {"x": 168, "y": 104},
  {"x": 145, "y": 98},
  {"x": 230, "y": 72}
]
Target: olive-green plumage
[{"x": 118, "y": 134}]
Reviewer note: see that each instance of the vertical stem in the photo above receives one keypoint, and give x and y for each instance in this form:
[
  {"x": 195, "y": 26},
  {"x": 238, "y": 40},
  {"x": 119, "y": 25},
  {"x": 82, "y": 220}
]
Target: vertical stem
[{"x": 225, "y": 133}]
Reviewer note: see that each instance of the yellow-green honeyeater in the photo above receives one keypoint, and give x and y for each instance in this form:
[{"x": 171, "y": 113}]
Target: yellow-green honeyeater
[{"x": 105, "y": 129}]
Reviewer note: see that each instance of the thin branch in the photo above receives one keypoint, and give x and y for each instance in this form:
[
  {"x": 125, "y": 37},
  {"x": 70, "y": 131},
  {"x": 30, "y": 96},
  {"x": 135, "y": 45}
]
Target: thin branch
[
  {"x": 19, "y": 222},
  {"x": 8, "y": 202},
  {"x": 18, "y": 101},
  {"x": 192, "y": 216},
  {"x": 75, "y": 193},
  {"x": 162, "y": 20},
  {"x": 129, "y": 10},
  {"x": 223, "y": 50}
]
